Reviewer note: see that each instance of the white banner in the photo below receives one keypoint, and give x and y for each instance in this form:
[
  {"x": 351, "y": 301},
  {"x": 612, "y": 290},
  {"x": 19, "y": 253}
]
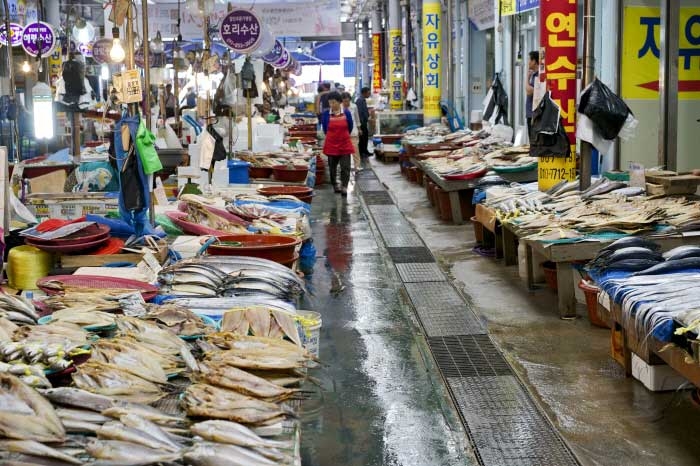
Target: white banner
[{"x": 291, "y": 19}]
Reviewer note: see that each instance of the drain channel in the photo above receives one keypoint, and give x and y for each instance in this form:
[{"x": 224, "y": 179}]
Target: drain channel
[{"x": 504, "y": 424}]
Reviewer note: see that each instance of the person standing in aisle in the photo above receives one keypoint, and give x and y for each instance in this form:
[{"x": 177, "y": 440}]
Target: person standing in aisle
[
  {"x": 348, "y": 105},
  {"x": 170, "y": 101},
  {"x": 532, "y": 73},
  {"x": 337, "y": 125},
  {"x": 363, "y": 113}
]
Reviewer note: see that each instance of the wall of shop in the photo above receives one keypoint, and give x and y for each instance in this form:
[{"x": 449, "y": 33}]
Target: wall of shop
[
  {"x": 606, "y": 55},
  {"x": 643, "y": 102}
]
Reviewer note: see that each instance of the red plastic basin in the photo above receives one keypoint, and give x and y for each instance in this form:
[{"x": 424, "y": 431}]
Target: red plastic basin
[
  {"x": 284, "y": 173},
  {"x": 276, "y": 248},
  {"x": 259, "y": 172},
  {"x": 302, "y": 193}
]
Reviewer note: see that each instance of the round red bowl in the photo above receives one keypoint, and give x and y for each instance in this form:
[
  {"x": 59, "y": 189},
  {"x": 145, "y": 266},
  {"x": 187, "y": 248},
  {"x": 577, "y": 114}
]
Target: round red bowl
[{"x": 278, "y": 248}]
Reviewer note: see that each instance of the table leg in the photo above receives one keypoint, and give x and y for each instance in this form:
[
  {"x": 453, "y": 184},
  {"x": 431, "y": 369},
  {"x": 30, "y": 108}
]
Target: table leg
[
  {"x": 530, "y": 267},
  {"x": 565, "y": 291},
  {"x": 510, "y": 252},
  {"x": 498, "y": 240},
  {"x": 456, "y": 208}
]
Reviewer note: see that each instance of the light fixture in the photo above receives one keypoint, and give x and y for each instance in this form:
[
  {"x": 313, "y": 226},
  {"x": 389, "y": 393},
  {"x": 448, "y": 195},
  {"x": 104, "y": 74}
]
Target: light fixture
[
  {"x": 42, "y": 106},
  {"x": 26, "y": 67},
  {"x": 116, "y": 53},
  {"x": 157, "y": 45},
  {"x": 83, "y": 31}
]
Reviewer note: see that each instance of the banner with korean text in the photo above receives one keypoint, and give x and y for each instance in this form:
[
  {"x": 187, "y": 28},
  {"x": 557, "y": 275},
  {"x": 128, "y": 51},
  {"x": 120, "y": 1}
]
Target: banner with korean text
[
  {"x": 396, "y": 70},
  {"x": 641, "y": 50},
  {"x": 377, "y": 58},
  {"x": 558, "y": 41},
  {"x": 432, "y": 61}
]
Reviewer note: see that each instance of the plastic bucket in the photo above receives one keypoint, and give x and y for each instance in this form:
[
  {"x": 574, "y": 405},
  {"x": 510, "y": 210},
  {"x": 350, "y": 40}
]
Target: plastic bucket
[
  {"x": 310, "y": 330},
  {"x": 238, "y": 172},
  {"x": 591, "y": 292}
]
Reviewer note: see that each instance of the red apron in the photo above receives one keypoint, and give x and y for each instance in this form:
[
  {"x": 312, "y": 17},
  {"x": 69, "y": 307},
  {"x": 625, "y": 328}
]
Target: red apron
[{"x": 338, "y": 140}]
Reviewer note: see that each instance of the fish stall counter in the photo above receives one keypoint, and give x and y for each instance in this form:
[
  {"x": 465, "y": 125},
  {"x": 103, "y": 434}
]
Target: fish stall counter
[{"x": 655, "y": 321}]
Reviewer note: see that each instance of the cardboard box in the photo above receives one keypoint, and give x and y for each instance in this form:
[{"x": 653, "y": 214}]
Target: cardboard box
[{"x": 657, "y": 378}]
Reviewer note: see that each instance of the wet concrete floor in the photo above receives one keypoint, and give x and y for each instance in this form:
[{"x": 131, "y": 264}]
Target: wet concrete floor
[
  {"x": 383, "y": 402},
  {"x": 605, "y": 418}
]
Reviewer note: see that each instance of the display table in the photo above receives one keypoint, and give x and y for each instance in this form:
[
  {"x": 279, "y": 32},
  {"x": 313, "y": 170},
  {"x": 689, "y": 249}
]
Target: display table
[
  {"x": 465, "y": 187},
  {"x": 565, "y": 255}
]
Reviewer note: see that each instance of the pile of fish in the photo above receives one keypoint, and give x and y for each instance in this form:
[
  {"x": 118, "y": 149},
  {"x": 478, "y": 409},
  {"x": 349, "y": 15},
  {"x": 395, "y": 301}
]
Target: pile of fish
[
  {"x": 238, "y": 276},
  {"x": 180, "y": 320},
  {"x": 242, "y": 384},
  {"x": 261, "y": 321},
  {"x": 17, "y": 309},
  {"x": 642, "y": 256}
]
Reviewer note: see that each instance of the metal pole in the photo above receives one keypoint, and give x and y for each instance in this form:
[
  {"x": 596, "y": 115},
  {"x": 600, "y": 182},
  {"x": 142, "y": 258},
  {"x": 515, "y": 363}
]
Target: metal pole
[
  {"x": 146, "y": 63},
  {"x": 447, "y": 70},
  {"x": 668, "y": 84},
  {"x": 588, "y": 76},
  {"x": 14, "y": 136}
]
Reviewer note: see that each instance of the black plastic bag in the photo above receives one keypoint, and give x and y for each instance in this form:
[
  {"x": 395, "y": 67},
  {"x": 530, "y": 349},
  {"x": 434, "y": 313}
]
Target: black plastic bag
[
  {"x": 499, "y": 99},
  {"x": 549, "y": 138},
  {"x": 219, "y": 149},
  {"x": 608, "y": 111}
]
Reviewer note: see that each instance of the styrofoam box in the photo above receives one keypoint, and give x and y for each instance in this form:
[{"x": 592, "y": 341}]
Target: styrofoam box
[{"x": 658, "y": 378}]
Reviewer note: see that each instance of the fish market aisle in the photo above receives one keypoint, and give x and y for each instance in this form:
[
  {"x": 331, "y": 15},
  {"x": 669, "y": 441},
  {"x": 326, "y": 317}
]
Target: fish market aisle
[
  {"x": 564, "y": 365},
  {"x": 383, "y": 402}
]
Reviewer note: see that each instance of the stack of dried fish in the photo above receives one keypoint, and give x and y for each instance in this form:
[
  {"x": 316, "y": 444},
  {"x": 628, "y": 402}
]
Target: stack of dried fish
[
  {"x": 17, "y": 309},
  {"x": 231, "y": 276},
  {"x": 178, "y": 319},
  {"x": 261, "y": 321},
  {"x": 84, "y": 316}
]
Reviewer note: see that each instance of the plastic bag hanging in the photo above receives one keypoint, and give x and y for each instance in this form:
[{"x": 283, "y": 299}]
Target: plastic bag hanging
[
  {"x": 496, "y": 104},
  {"x": 608, "y": 111},
  {"x": 134, "y": 193},
  {"x": 548, "y": 135}
]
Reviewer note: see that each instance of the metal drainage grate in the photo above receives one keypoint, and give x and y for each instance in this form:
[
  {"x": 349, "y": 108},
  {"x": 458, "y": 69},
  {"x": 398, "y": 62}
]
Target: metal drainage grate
[
  {"x": 416, "y": 272},
  {"x": 370, "y": 185},
  {"x": 468, "y": 356},
  {"x": 377, "y": 198},
  {"x": 366, "y": 175},
  {"x": 400, "y": 237},
  {"x": 436, "y": 295},
  {"x": 402, "y": 255},
  {"x": 504, "y": 424}
]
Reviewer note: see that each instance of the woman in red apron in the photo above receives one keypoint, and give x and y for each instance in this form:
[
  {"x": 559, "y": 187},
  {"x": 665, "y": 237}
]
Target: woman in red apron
[{"x": 337, "y": 125}]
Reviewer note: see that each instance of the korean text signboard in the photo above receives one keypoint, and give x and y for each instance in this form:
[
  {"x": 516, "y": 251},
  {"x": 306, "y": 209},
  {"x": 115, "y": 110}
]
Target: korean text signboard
[
  {"x": 512, "y": 7},
  {"x": 396, "y": 70},
  {"x": 16, "y": 31},
  {"x": 432, "y": 61},
  {"x": 241, "y": 31},
  {"x": 558, "y": 40},
  {"x": 641, "y": 51},
  {"x": 558, "y": 72},
  {"x": 377, "y": 57},
  {"x": 35, "y": 34}
]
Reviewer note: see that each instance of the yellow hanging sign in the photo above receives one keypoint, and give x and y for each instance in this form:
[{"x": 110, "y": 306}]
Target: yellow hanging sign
[
  {"x": 508, "y": 7},
  {"x": 396, "y": 70},
  {"x": 641, "y": 51},
  {"x": 552, "y": 170},
  {"x": 432, "y": 61}
]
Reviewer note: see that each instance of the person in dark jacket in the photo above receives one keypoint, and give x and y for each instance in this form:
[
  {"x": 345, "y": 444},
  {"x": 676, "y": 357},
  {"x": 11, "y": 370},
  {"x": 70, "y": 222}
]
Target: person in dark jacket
[
  {"x": 337, "y": 125},
  {"x": 363, "y": 113},
  {"x": 532, "y": 74}
]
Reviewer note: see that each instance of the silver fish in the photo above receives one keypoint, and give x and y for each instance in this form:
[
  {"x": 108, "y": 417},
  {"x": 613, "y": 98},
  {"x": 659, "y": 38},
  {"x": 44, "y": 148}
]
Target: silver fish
[
  {"x": 151, "y": 429},
  {"x": 30, "y": 447},
  {"x": 119, "y": 453},
  {"x": 212, "y": 454},
  {"x": 76, "y": 397}
]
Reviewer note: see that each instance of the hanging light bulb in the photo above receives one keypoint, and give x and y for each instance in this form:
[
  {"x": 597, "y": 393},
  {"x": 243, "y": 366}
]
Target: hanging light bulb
[
  {"x": 157, "y": 45},
  {"x": 42, "y": 103},
  {"x": 117, "y": 53},
  {"x": 26, "y": 67},
  {"x": 83, "y": 31}
]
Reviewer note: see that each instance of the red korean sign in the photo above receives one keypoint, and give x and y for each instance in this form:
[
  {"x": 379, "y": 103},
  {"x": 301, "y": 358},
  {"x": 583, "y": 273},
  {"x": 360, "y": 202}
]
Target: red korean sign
[
  {"x": 377, "y": 58},
  {"x": 558, "y": 62}
]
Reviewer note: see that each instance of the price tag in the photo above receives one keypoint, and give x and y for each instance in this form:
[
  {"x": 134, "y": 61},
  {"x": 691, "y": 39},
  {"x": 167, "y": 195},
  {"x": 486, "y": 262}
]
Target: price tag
[
  {"x": 131, "y": 85},
  {"x": 159, "y": 192}
]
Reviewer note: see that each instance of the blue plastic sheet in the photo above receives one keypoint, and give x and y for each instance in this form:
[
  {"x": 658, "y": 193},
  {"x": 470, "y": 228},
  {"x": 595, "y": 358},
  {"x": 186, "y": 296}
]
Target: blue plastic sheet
[{"x": 121, "y": 229}]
